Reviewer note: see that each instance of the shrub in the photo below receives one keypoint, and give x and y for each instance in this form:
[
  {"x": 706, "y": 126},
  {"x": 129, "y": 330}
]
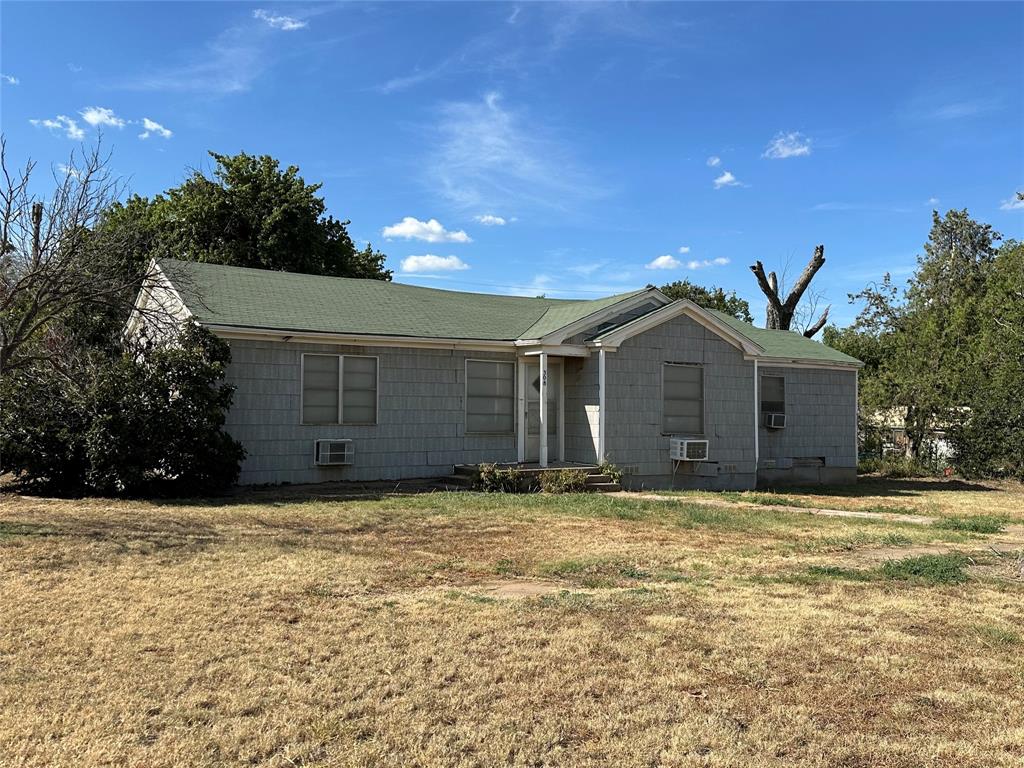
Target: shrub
[
  {"x": 613, "y": 472},
  {"x": 492, "y": 478},
  {"x": 564, "y": 481},
  {"x": 150, "y": 424},
  {"x": 869, "y": 465},
  {"x": 896, "y": 467}
]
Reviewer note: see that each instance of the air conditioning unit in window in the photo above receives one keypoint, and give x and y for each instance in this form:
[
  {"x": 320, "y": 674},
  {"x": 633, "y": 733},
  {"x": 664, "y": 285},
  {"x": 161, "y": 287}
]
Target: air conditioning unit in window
[
  {"x": 775, "y": 420},
  {"x": 682, "y": 449},
  {"x": 333, "y": 453}
]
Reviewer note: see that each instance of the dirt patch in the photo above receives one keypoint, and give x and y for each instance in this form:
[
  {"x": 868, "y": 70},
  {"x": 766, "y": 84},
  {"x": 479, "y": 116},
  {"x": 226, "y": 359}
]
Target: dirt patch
[{"x": 521, "y": 588}]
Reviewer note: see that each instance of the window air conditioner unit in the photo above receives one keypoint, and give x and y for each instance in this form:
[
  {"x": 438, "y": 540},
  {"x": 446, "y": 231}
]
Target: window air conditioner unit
[
  {"x": 333, "y": 453},
  {"x": 775, "y": 420},
  {"x": 688, "y": 450}
]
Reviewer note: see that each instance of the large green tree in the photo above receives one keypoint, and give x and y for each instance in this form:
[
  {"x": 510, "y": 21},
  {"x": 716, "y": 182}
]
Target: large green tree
[
  {"x": 988, "y": 435},
  {"x": 248, "y": 213},
  {"x": 944, "y": 350},
  {"x": 709, "y": 298}
]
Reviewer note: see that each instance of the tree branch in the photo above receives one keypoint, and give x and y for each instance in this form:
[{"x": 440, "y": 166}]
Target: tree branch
[
  {"x": 809, "y": 333},
  {"x": 816, "y": 262}
]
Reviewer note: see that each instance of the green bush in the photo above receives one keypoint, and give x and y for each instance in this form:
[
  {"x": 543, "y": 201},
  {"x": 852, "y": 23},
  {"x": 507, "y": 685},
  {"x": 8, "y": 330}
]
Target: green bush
[
  {"x": 895, "y": 467},
  {"x": 134, "y": 425},
  {"x": 613, "y": 472},
  {"x": 493, "y": 478},
  {"x": 869, "y": 465},
  {"x": 564, "y": 481}
]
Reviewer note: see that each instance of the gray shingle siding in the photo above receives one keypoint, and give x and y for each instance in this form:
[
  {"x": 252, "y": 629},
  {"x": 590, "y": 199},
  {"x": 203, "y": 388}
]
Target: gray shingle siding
[
  {"x": 634, "y": 402},
  {"x": 421, "y": 421},
  {"x": 821, "y": 419},
  {"x": 581, "y": 403}
]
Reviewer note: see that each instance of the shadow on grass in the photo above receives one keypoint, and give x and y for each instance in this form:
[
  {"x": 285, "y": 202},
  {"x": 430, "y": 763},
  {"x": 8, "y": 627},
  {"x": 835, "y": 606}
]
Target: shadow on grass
[
  {"x": 880, "y": 486},
  {"x": 164, "y": 534}
]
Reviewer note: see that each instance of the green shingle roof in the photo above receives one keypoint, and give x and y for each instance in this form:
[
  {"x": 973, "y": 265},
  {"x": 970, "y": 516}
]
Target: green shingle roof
[
  {"x": 258, "y": 298},
  {"x": 786, "y": 344}
]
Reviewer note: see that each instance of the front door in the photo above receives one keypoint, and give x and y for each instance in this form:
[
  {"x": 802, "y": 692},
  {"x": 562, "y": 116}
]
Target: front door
[{"x": 532, "y": 387}]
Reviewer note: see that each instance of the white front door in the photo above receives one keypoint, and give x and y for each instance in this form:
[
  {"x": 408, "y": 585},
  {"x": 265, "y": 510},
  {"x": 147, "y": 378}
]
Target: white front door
[{"x": 532, "y": 414}]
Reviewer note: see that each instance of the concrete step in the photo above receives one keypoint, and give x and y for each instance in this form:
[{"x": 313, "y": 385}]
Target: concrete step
[
  {"x": 595, "y": 479},
  {"x": 604, "y": 487}
]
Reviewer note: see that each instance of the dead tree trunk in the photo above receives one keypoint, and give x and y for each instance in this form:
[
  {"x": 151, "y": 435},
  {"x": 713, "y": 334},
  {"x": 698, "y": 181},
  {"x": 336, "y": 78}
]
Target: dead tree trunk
[{"x": 779, "y": 315}]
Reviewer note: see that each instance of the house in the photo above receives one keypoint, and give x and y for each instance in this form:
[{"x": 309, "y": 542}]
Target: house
[{"x": 345, "y": 379}]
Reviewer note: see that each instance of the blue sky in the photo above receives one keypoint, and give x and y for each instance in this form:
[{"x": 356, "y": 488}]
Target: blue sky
[{"x": 567, "y": 149}]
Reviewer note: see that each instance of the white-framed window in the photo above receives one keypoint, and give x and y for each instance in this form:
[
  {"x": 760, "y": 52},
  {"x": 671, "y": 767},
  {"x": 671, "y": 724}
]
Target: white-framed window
[
  {"x": 682, "y": 395},
  {"x": 339, "y": 389},
  {"x": 773, "y": 394},
  {"x": 490, "y": 397}
]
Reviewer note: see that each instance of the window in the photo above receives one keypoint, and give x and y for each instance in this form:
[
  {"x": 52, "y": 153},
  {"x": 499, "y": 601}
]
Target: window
[
  {"x": 773, "y": 394},
  {"x": 339, "y": 389},
  {"x": 682, "y": 389},
  {"x": 490, "y": 397}
]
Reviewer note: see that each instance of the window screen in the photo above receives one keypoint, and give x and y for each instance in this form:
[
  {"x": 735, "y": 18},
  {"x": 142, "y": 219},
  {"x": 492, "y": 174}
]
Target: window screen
[
  {"x": 490, "y": 397},
  {"x": 773, "y": 394},
  {"x": 359, "y": 395},
  {"x": 683, "y": 399},
  {"x": 322, "y": 378},
  {"x": 320, "y": 389}
]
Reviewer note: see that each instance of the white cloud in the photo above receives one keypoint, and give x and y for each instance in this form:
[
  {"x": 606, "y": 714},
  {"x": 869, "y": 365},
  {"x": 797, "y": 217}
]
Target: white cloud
[
  {"x": 663, "y": 262},
  {"x": 588, "y": 269},
  {"x": 97, "y": 116},
  {"x": 726, "y": 180},
  {"x": 432, "y": 231},
  {"x": 9, "y": 79},
  {"x": 286, "y": 23},
  {"x": 932, "y": 201},
  {"x": 719, "y": 262},
  {"x": 540, "y": 285},
  {"x": 489, "y": 220},
  {"x": 68, "y": 170},
  {"x": 792, "y": 144},
  {"x": 684, "y": 249},
  {"x": 153, "y": 127},
  {"x": 227, "y": 63},
  {"x": 428, "y": 262},
  {"x": 714, "y": 161},
  {"x": 490, "y": 157},
  {"x": 1014, "y": 203},
  {"x": 62, "y": 123}
]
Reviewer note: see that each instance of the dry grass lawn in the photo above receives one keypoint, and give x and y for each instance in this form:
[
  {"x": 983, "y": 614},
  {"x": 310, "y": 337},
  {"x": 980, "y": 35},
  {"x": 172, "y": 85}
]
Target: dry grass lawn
[{"x": 472, "y": 630}]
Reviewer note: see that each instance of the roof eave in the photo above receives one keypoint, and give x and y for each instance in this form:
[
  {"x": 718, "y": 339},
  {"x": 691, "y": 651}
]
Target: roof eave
[
  {"x": 559, "y": 335},
  {"x": 612, "y": 338}
]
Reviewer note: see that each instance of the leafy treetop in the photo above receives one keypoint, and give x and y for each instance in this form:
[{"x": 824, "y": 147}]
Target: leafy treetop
[
  {"x": 709, "y": 298},
  {"x": 248, "y": 213}
]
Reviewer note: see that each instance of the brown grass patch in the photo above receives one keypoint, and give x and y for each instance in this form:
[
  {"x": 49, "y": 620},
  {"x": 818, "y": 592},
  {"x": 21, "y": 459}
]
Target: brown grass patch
[{"x": 459, "y": 629}]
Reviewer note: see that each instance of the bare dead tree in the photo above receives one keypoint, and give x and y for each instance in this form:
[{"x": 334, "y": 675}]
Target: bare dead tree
[
  {"x": 52, "y": 263},
  {"x": 780, "y": 313}
]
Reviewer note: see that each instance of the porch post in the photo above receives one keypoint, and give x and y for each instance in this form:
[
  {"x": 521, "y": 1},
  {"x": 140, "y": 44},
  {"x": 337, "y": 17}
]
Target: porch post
[
  {"x": 520, "y": 410},
  {"x": 543, "y": 409},
  {"x": 600, "y": 407}
]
